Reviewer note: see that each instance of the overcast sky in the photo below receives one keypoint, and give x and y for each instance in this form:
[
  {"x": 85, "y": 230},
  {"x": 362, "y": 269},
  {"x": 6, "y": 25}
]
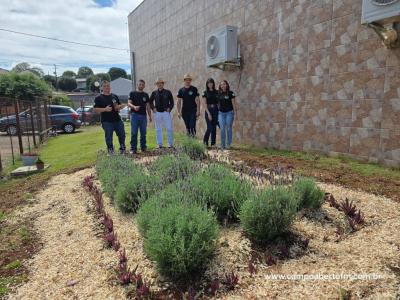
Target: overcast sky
[{"x": 102, "y": 22}]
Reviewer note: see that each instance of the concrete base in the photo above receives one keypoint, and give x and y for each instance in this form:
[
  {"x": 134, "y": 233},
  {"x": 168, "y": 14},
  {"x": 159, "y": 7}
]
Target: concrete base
[{"x": 27, "y": 170}]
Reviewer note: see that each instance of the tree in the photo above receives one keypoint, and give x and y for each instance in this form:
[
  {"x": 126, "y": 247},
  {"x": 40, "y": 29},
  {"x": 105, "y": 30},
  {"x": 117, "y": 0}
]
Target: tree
[
  {"x": 129, "y": 76},
  {"x": 99, "y": 78},
  {"x": 69, "y": 73},
  {"x": 117, "y": 73},
  {"x": 67, "y": 83},
  {"x": 23, "y": 86},
  {"x": 25, "y": 67},
  {"x": 51, "y": 80},
  {"x": 61, "y": 100},
  {"x": 85, "y": 72}
]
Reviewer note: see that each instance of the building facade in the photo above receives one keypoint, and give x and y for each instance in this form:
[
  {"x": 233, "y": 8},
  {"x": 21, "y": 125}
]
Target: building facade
[{"x": 312, "y": 79}]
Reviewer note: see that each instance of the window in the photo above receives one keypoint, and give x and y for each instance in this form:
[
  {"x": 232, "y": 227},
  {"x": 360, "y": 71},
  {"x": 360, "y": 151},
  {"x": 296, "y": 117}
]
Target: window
[{"x": 60, "y": 110}]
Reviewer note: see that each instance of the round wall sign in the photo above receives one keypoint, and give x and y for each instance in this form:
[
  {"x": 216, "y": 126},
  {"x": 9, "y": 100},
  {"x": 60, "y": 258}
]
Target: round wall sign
[{"x": 383, "y": 2}]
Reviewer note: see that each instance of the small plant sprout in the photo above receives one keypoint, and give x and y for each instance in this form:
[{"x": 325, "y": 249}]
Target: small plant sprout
[
  {"x": 269, "y": 259},
  {"x": 332, "y": 201},
  {"x": 231, "y": 280},
  {"x": 252, "y": 266},
  {"x": 348, "y": 208},
  {"x": 214, "y": 287},
  {"x": 122, "y": 256},
  {"x": 143, "y": 291},
  {"x": 108, "y": 223}
]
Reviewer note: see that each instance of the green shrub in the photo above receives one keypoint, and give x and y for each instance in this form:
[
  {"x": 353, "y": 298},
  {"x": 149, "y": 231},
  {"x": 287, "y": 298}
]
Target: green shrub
[
  {"x": 193, "y": 148},
  {"x": 268, "y": 213},
  {"x": 221, "y": 190},
  {"x": 132, "y": 190},
  {"x": 177, "y": 192},
  {"x": 170, "y": 168},
  {"x": 181, "y": 239},
  {"x": 309, "y": 195},
  {"x": 111, "y": 169}
]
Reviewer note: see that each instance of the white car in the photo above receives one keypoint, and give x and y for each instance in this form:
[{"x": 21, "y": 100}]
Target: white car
[{"x": 125, "y": 113}]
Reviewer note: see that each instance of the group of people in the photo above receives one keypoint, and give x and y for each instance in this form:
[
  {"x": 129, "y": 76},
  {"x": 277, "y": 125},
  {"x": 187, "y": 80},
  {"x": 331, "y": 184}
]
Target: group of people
[{"x": 219, "y": 111}]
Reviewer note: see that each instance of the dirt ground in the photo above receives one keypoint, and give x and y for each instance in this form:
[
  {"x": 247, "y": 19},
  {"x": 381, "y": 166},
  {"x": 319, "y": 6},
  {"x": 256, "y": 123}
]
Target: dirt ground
[
  {"x": 338, "y": 175},
  {"x": 73, "y": 263}
]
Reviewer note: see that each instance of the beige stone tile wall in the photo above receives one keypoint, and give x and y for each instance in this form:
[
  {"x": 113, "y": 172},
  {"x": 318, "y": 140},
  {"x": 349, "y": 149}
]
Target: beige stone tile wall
[{"x": 313, "y": 77}]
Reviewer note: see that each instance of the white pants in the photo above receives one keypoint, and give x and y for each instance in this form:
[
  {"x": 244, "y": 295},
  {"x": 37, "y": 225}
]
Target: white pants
[{"x": 163, "y": 120}]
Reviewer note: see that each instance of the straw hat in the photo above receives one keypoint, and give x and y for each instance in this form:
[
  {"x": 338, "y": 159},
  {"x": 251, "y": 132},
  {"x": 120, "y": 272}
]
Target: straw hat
[
  {"x": 187, "y": 76},
  {"x": 159, "y": 80}
]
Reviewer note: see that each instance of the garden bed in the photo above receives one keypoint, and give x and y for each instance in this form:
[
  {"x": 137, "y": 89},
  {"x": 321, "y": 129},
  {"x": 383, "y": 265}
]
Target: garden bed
[{"x": 75, "y": 263}]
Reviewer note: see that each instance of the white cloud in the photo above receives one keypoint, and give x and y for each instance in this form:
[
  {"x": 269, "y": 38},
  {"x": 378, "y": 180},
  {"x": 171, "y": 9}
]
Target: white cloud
[{"x": 75, "y": 20}]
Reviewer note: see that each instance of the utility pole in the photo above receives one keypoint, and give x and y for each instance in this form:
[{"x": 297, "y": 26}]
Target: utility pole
[{"x": 55, "y": 74}]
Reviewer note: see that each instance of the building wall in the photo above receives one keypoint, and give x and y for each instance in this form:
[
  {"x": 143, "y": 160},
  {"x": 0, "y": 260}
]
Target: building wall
[{"x": 313, "y": 77}]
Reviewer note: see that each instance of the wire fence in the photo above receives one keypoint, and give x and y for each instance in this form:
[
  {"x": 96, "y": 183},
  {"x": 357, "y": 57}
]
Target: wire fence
[{"x": 24, "y": 125}]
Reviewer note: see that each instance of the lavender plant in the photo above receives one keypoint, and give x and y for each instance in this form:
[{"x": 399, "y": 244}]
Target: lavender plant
[{"x": 309, "y": 195}]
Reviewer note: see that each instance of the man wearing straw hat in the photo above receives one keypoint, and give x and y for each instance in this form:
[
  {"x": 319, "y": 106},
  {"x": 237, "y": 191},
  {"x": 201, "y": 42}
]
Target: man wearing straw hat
[
  {"x": 189, "y": 105},
  {"x": 162, "y": 102}
]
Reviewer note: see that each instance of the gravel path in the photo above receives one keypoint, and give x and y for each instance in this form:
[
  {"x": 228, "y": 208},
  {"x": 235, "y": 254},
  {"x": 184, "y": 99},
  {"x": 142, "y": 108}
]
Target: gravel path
[{"x": 72, "y": 263}]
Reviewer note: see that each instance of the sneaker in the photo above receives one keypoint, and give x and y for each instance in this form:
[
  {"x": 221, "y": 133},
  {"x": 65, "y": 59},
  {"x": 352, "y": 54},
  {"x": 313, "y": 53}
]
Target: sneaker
[
  {"x": 160, "y": 146},
  {"x": 122, "y": 151},
  {"x": 144, "y": 150},
  {"x": 132, "y": 152}
]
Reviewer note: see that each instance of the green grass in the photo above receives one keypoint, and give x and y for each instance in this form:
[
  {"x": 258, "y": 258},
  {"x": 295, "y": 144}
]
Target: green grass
[
  {"x": 323, "y": 161},
  {"x": 13, "y": 265},
  {"x": 67, "y": 152}
]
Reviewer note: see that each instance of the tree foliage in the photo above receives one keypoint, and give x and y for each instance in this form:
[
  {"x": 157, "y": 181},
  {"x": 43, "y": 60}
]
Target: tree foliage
[
  {"x": 51, "y": 80},
  {"x": 84, "y": 72},
  {"x": 67, "y": 83},
  {"x": 24, "y": 67},
  {"x": 23, "y": 86},
  {"x": 69, "y": 73},
  {"x": 117, "y": 73},
  {"x": 61, "y": 100}
]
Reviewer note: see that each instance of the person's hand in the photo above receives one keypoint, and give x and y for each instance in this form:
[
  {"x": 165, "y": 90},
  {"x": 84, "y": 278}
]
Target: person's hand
[
  {"x": 108, "y": 108},
  {"x": 150, "y": 119},
  {"x": 136, "y": 108},
  {"x": 154, "y": 110},
  {"x": 179, "y": 115},
  {"x": 209, "y": 116},
  {"x": 168, "y": 110},
  {"x": 197, "y": 115}
]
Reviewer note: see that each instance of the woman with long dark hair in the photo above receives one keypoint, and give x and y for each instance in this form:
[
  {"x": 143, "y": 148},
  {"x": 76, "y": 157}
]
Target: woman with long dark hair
[
  {"x": 210, "y": 98},
  {"x": 226, "y": 114}
]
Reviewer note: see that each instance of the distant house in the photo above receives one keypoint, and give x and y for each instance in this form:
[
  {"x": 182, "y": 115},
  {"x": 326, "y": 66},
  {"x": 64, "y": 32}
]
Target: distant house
[
  {"x": 121, "y": 87},
  {"x": 79, "y": 99},
  {"x": 81, "y": 83},
  {"x": 3, "y": 71}
]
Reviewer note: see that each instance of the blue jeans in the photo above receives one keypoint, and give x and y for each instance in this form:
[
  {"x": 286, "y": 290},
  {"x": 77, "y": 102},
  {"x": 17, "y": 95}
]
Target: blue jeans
[
  {"x": 190, "y": 122},
  {"x": 211, "y": 125},
  {"x": 138, "y": 122},
  {"x": 225, "y": 120},
  {"x": 109, "y": 128}
]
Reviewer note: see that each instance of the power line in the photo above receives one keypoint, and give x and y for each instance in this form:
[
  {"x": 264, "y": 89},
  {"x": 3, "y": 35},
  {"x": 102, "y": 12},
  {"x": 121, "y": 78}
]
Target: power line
[{"x": 60, "y": 40}]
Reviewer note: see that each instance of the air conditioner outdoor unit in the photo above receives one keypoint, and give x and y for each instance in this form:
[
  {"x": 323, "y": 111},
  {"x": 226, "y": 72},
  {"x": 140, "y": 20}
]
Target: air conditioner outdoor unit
[
  {"x": 379, "y": 10},
  {"x": 222, "y": 47},
  {"x": 383, "y": 17}
]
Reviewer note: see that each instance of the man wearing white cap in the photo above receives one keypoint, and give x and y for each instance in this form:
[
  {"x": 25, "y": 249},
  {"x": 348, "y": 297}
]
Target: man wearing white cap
[
  {"x": 162, "y": 102},
  {"x": 189, "y": 105}
]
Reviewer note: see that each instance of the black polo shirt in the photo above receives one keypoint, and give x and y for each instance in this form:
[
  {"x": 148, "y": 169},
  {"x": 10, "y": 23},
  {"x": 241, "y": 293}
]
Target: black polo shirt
[
  {"x": 161, "y": 100},
  {"x": 139, "y": 99},
  {"x": 211, "y": 97},
  {"x": 188, "y": 96},
  {"x": 102, "y": 101},
  {"x": 225, "y": 101}
]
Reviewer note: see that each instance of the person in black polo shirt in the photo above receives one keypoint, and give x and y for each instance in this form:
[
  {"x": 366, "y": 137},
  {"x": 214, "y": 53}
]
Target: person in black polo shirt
[
  {"x": 226, "y": 114},
  {"x": 210, "y": 98},
  {"x": 138, "y": 102},
  {"x": 162, "y": 102},
  {"x": 189, "y": 105},
  {"x": 108, "y": 105}
]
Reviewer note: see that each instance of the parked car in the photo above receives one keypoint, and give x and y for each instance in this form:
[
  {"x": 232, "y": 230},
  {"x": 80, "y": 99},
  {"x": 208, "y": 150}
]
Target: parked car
[
  {"x": 61, "y": 118},
  {"x": 125, "y": 113},
  {"x": 88, "y": 115}
]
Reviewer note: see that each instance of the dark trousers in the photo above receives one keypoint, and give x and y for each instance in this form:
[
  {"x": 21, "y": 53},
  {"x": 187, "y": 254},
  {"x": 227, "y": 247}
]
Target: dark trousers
[
  {"x": 190, "y": 122},
  {"x": 109, "y": 128},
  {"x": 211, "y": 125},
  {"x": 138, "y": 122}
]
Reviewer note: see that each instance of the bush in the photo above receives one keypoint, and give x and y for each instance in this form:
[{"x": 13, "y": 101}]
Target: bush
[
  {"x": 178, "y": 192},
  {"x": 61, "y": 100},
  {"x": 268, "y": 213},
  {"x": 309, "y": 195},
  {"x": 132, "y": 190},
  {"x": 193, "y": 148},
  {"x": 111, "y": 169},
  {"x": 170, "y": 168},
  {"x": 181, "y": 240},
  {"x": 221, "y": 190}
]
